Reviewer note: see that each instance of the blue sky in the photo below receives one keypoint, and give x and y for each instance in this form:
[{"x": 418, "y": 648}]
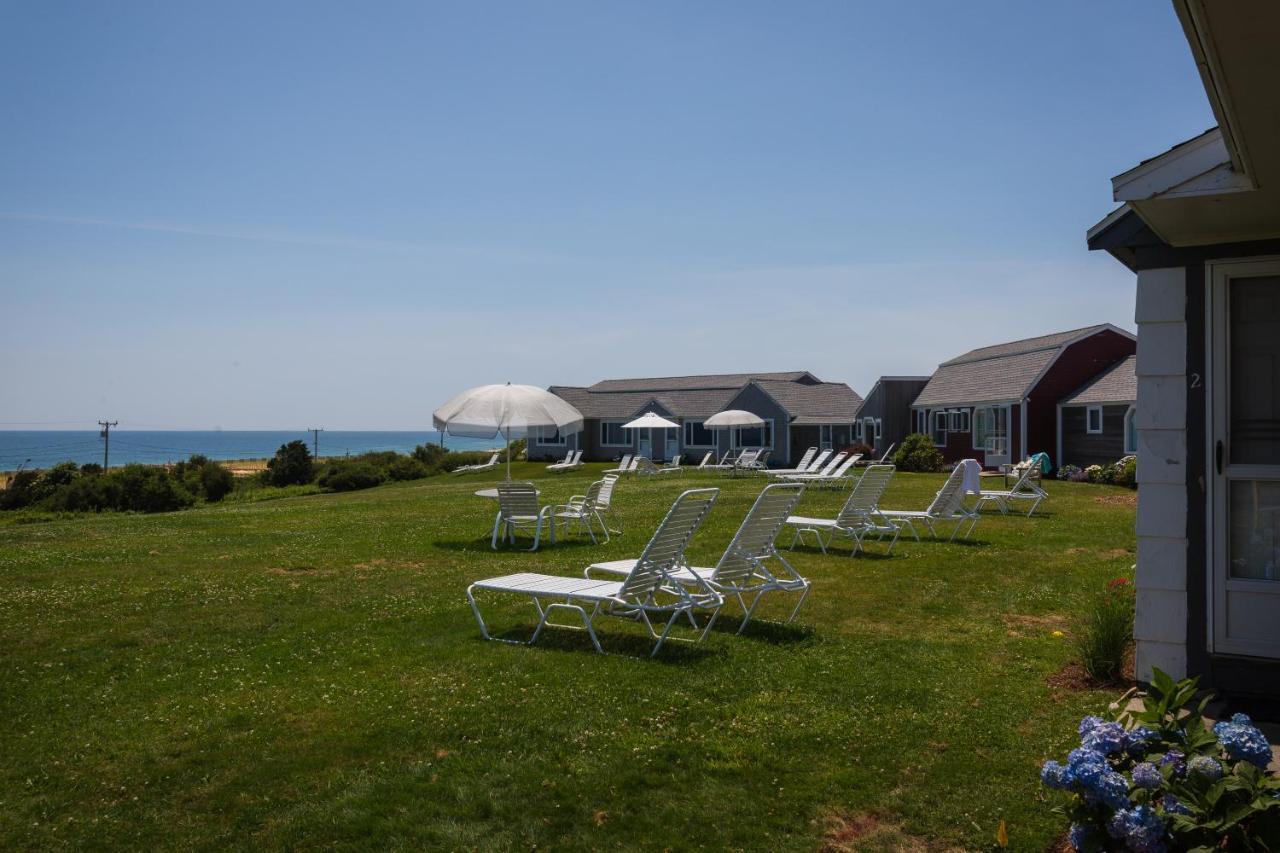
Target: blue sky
[{"x": 280, "y": 215}]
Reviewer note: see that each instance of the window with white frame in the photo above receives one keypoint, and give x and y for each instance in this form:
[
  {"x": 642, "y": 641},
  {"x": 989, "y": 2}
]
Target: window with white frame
[
  {"x": 939, "y": 431},
  {"x": 824, "y": 437},
  {"x": 761, "y": 436},
  {"x": 1093, "y": 420},
  {"x": 613, "y": 435},
  {"x": 1131, "y": 431},
  {"x": 548, "y": 436},
  {"x": 958, "y": 420},
  {"x": 697, "y": 435},
  {"x": 981, "y": 427},
  {"x": 857, "y": 431},
  {"x": 877, "y": 429}
]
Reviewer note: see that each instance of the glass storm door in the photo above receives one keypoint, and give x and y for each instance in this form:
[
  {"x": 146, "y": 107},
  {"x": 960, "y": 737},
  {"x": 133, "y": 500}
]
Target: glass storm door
[
  {"x": 646, "y": 443},
  {"x": 1244, "y": 457}
]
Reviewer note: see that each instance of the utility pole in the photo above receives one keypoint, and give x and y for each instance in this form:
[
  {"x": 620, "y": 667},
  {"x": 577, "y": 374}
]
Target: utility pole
[
  {"x": 105, "y": 435},
  {"x": 315, "y": 441}
]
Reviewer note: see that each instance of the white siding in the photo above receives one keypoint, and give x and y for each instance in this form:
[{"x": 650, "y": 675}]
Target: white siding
[{"x": 1161, "y": 626}]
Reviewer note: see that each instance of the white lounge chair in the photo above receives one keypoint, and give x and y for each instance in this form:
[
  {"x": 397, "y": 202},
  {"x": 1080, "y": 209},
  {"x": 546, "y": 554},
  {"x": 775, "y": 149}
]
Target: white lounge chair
[
  {"x": 623, "y": 466},
  {"x": 829, "y": 478},
  {"x": 859, "y": 517},
  {"x": 827, "y": 470},
  {"x": 814, "y": 466},
  {"x": 1024, "y": 489},
  {"x": 759, "y": 462},
  {"x": 646, "y": 468},
  {"x": 675, "y": 463},
  {"x": 570, "y": 462},
  {"x": 484, "y": 466},
  {"x": 947, "y": 506},
  {"x": 647, "y": 589},
  {"x": 708, "y": 462},
  {"x": 518, "y": 510},
  {"x": 580, "y": 511},
  {"x": 744, "y": 568},
  {"x": 746, "y": 460}
]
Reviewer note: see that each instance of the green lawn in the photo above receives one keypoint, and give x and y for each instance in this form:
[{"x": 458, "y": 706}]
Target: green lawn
[{"x": 306, "y": 672}]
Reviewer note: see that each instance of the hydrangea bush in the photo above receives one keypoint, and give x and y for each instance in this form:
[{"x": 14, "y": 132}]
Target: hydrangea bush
[
  {"x": 1159, "y": 780},
  {"x": 1071, "y": 472}
]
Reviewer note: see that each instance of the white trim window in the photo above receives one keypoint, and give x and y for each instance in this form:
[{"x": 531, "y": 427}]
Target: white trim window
[
  {"x": 878, "y": 429},
  {"x": 697, "y": 435},
  {"x": 982, "y": 418},
  {"x": 549, "y": 437},
  {"x": 1131, "y": 431},
  {"x": 613, "y": 435},
  {"x": 1093, "y": 420},
  {"x": 958, "y": 420},
  {"x": 761, "y": 437},
  {"x": 824, "y": 437},
  {"x": 939, "y": 431}
]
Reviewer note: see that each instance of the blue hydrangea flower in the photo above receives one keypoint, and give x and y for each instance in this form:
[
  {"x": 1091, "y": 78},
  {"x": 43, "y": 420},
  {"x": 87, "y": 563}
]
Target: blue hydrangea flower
[
  {"x": 1242, "y": 740},
  {"x": 1147, "y": 775},
  {"x": 1171, "y": 804},
  {"x": 1176, "y": 759},
  {"x": 1203, "y": 765},
  {"x": 1110, "y": 788},
  {"x": 1141, "y": 829},
  {"x": 1088, "y": 724},
  {"x": 1140, "y": 740},
  {"x": 1056, "y": 776},
  {"x": 1107, "y": 738},
  {"x": 1081, "y": 836},
  {"x": 1086, "y": 766}
]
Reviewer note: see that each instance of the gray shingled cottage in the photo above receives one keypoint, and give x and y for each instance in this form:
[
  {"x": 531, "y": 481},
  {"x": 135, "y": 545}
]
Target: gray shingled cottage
[
  {"x": 1097, "y": 424},
  {"x": 799, "y": 411},
  {"x": 1200, "y": 226}
]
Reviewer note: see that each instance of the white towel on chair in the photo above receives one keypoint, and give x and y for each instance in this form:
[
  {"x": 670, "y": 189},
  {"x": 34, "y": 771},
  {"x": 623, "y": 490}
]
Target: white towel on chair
[{"x": 972, "y": 476}]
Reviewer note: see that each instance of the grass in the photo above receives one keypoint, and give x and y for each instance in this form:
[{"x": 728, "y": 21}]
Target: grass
[{"x": 305, "y": 672}]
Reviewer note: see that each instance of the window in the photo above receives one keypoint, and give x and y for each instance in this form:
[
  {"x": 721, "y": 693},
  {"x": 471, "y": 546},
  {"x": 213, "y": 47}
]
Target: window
[
  {"x": 548, "y": 435},
  {"x": 696, "y": 435},
  {"x": 613, "y": 435},
  {"x": 877, "y": 429},
  {"x": 824, "y": 437},
  {"x": 958, "y": 420},
  {"x": 1131, "y": 431},
  {"x": 939, "y": 432},
  {"x": 991, "y": 429},
  {"x": 754, "y": 436},
  {"x": 857, "y": 431},
  {"x": 1093, "y": 420},
  {"x": 981, "y": 427}
]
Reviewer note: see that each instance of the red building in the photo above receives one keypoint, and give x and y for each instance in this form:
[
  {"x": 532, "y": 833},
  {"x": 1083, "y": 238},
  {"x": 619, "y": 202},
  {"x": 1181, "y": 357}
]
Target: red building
[{"x": 999, "y": 403}]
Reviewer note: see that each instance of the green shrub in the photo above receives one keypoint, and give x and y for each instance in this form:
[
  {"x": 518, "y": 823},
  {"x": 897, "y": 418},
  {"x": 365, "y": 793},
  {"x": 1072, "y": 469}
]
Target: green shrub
[
  {"x": 862, "y": 448},
  {"x": 1125, "y": 472},
  {"x": 20, "y": 491},
  {"x": 1104, "y": 631},
  {"x": 458, "y": 458},
  {"x": 430, "y": 455},
  {"x": 917, "y": 453},
  {"x": 407, "y": 468},
  {"x": 147, "y": 489},
  {"x": 291, "y": 466},
  {"x": 216, "y": 482},
  {"x": 349, "y": 476}
]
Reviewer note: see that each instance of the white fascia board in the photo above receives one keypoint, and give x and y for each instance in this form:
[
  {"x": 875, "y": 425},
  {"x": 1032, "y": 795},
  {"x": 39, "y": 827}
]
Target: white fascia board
[{"x": 1172, "y": 169}]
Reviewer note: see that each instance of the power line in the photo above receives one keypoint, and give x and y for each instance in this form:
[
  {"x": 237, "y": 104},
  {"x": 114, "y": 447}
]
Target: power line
[{"x": 315, "y": 440}]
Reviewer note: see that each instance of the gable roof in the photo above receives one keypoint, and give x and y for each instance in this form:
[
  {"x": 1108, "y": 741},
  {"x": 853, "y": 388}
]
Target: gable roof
[
  {"x": 689, "y": 383},
  {"x": 805, "y": 398},
  {"x": 823, "y": 403},
  {"x": 1119, "y": 384},
  {"x": 1001, "y": 372}
]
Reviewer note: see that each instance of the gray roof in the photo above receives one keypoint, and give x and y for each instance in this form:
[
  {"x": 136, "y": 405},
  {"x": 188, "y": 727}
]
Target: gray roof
[
  {"x": 689, "y": 383},
  {"x": 806, "y": 399},
  {"x": 999, "y": 372},
  {"x": 824, "y": 403},
  {"x": 1119, "y": 384}
]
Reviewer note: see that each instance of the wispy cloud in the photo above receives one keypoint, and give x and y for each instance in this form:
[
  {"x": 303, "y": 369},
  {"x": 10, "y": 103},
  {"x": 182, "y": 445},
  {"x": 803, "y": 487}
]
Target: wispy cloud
[{"x": 288, "y": 238}]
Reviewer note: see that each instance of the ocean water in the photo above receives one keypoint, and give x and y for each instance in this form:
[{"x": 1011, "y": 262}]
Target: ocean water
[{"x": 40, "y": 449}]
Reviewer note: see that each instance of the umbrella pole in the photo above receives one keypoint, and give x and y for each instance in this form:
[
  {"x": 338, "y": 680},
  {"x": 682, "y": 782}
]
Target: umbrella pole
[{"x": 508, "y": 458}]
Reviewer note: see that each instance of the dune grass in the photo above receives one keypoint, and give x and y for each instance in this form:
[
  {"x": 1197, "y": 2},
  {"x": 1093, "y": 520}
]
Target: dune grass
[{"x": 306, "y": 672}]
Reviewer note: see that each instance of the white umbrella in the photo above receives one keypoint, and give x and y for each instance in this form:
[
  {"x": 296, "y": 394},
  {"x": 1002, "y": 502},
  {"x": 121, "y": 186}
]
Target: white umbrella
[
  {"x": 733, "y": 418},
  {"x": 651, "y": 421},
  {"x": 510, "y": 411}
]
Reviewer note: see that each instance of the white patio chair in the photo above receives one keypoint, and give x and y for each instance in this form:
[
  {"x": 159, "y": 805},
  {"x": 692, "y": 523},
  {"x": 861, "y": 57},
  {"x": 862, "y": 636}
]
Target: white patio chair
[
  {"x": 580, "y": 512},
  {"x": 744, "y": 570},
  {"x": 815, "y": 465},
  {"x": 484, "y": 466},
  {"x": 623, "y": 466},
  {"x": 1024, "y": 489},
  {"x": 947, "y": 506},
  {"x": 518, "y": 510},
  {"x": 604, "y": 503},
  {"x": 645, "y": 590},
  {"x": 708, "y": 462},
  {"x": 675, "y": 463},
  {"x": 858, "y": 517},
  {"x": 646, "y": 468}
]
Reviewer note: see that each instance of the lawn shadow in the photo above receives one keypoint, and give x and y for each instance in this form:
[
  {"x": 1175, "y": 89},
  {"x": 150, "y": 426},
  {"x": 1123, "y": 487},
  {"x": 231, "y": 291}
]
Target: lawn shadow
[
  {"x": 865, "y": 553},
  {"x": 556, "y": 638},
  {"x": 521, "y": 546},
  {"x": 764, "y": 630}
]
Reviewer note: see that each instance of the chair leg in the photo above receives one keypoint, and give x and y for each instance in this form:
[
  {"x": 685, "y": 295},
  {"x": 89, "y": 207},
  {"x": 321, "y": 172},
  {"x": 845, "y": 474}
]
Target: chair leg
[
  {"x": 493, "y": 540},
  {"x": 799, "y": 603}
]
